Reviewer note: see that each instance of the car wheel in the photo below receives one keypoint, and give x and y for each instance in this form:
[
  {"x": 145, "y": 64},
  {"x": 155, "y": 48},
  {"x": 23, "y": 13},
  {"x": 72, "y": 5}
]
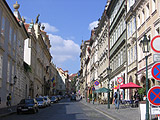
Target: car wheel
[
  {"x": 34, "y": 110},
  {"x": 18, "y": 112},
  {"x": 37, "y": 110}
]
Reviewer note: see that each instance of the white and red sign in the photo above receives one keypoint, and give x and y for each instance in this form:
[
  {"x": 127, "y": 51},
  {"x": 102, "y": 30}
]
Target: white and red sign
[
  {"x": 155, "y": 44},
  {"x": 120, "y": 80}
]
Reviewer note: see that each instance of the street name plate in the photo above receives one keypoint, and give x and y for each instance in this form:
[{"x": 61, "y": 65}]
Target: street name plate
[
  {"x": 155, "y": 110},
  {"x": 156, "y": 57}
]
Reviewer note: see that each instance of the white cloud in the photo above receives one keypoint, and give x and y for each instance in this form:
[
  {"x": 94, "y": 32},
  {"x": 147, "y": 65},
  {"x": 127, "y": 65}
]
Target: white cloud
[
  {"x": 63, "y": 50},
  {"x": 49, "y": 28},
  {"x": 92, "y": 25}
]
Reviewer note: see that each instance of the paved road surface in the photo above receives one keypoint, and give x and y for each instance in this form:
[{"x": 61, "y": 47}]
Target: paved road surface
[{"x": 64, "y": 110}]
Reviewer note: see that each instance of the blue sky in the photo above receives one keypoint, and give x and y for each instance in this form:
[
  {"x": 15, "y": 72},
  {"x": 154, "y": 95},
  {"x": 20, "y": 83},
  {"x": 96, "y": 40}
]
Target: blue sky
[{"x": 67, "y": 23}]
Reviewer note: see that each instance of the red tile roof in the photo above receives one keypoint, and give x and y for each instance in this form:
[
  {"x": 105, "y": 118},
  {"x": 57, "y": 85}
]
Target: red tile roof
[{"x": 26, "y": 26}]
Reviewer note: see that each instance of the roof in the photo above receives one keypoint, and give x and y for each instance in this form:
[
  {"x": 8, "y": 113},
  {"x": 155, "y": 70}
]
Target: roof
[
  {"x": 11, "y": 12},
  {"x": 26, "y": 26}
]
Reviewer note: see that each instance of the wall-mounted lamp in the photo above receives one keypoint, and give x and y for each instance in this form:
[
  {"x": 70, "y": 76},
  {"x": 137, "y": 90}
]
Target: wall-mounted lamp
[{"x": 15, "y": 80}]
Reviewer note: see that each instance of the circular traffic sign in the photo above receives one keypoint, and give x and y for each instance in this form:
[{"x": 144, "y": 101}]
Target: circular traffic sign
[
  {"x": 153, "y": 95},
  {"x": 155, "y": 44},
  {"x": 120, "y": 80},
  {"x": 96, "y": 83},
  {"x": 156, "y": 71}
]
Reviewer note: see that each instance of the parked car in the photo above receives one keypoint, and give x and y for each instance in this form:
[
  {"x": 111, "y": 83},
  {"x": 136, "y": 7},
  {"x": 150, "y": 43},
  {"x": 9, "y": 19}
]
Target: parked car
[
  {"x": 41, "y": 102},
  {"x": 47, "y": 100},
  {"x": 54, "y": 99},
  {"x": 27, "y": 105},
  {"x": 73, "y": 97},
  {"x": 59, "y": 97}
]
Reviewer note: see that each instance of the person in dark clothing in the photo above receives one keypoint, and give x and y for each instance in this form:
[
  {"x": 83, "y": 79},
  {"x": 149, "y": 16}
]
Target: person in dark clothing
[
  {"x": 9, "y": 98},
  {"x": 115, "y": 99}
]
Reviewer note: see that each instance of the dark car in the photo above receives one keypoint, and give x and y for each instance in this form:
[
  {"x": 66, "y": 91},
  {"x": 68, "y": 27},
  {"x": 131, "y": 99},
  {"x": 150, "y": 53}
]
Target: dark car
[
  {"x": 54, "y": 99},
  {"x": 73, "y": 97},
  {"x": 27, "y": 105}
]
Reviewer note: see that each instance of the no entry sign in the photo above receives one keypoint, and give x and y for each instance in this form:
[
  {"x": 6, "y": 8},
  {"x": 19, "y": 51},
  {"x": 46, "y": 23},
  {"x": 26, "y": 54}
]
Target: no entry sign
[
  {"x": 96, "y": 83},
  {"x": 154, "y": 95},
  {"x": 155, "y": 44},
  {"x": 156, "y": 71},
  {"x": 120, "y": 80}
]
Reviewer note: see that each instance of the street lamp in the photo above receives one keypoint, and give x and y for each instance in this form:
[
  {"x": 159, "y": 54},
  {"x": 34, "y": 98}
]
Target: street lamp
[
  {"x": 145, "y": 48},
  {"x": 109, "y": 70},
  {"x": 15, "y": 80}
]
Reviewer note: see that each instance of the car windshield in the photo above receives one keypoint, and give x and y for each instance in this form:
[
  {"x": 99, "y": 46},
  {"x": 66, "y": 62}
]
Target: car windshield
[
  {"x": 39, "y": 99},
  {"x": 27, "y": 101},
  {"x": 45, "y": 98},
  {"x": 53, "y": 98}
]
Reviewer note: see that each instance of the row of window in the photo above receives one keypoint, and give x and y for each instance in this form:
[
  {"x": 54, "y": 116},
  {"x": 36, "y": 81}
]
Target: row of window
[
  {"x": 132, "y": 54},
  {"x": 8, "y": 31},
  {"x": 146, "y": 12},
  {"x": 116, "y": 10},
  {"x": 117, "y": 32},
  {"x": 129, "y": 4},
  {"x": 131, "y": 27},
  {"x": 118, "y": 60}
]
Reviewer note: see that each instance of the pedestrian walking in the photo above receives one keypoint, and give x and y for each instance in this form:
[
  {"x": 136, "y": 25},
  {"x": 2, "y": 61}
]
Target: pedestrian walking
[
  {"x": 9, "y": 99},
  {"x": 93, "y": 100},
  {"x": 115, "y": 99}
]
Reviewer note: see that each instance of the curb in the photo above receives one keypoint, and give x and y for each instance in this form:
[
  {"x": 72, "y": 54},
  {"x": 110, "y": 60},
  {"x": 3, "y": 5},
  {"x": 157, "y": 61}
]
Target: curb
[
  {"x": 7, "y": 114},
  {"x": 107, "y": 114}
]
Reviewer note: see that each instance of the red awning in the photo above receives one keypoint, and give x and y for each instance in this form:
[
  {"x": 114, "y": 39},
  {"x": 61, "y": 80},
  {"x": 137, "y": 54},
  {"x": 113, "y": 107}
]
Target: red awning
[{"x": 128, "y": 86}]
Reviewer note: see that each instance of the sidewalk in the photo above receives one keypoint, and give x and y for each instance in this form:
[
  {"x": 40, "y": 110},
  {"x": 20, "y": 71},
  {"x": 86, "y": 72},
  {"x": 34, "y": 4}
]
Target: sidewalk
[
  {"x": 120, "y": 114},
  {"x": 5, "y": 111}
]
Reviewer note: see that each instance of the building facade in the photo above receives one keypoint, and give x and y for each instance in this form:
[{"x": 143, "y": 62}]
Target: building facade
[{"x": 12, "y": 36}]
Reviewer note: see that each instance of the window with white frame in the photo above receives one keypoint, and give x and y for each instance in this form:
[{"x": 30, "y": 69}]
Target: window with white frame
[
  {"x": 13, "y": 74},
  {"x": 121, "y": 29},
  {"x": 1, "y": 64},
  {"x": 10, "y": 34},
  {"x": 131, "y": 31},
  {"x": 3, "y": 26},
  {"x": 8, "y": 71},
  {"x": 118, "y": 30},
  {"x": 116, "y": 35},
  {"x": 128, "y": 57},
  {"x": 124, "y": 55},
  {"x": 138, "y": 22},
  {"x": 143, "y": 16},
  {"x": 153, "y": 5},
  {"x": 119, "y": 60},
  {"x": 158, "y": 31},
  {"x": 135, "y": 52},
  {"x": 147, "y": 10},
  {"x": 121, "y": 57},
  {"x": 14, "y": 39},
  {"x": 134, "y": 24},
  {"x": 128, "y": 30},
  {"x": 131, "y": 55},
  {"x": 123, "y": 25}
]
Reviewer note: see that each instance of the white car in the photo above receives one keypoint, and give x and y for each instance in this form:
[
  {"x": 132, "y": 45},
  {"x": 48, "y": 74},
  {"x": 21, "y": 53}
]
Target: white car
[
  {"x": 41, "y": 102},
  {"x": 47, "y": 100}
]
